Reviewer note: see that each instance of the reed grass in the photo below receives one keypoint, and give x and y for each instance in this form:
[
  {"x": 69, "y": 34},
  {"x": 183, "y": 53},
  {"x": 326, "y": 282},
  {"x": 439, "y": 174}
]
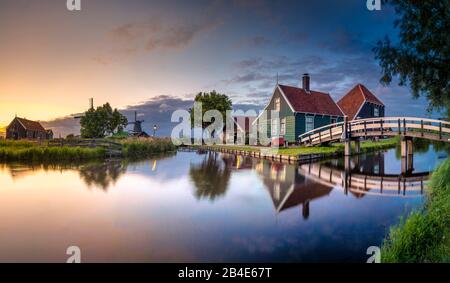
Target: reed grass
[
  {"x": 144, "y": 147},
  {"x": 424, "y": 236}
]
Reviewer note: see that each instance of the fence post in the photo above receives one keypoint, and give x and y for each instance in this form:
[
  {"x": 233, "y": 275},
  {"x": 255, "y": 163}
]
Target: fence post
[
  {"x": 440, "y": 130},
  {"x": 382, "y": 130},
  {"x": 365, "y": 129},
  {"x": 399, "y": 127},
  {"x": 404, "y": 127}
]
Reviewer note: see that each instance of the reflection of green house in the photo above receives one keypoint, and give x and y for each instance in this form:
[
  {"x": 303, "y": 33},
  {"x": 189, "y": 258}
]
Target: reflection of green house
[
  {"x": 299, "y": 109},
  {"x": 287, "y": 188}
]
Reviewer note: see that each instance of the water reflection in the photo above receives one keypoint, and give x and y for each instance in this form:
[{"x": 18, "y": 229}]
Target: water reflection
[
  {"x": 288, "y": 188},
  {"x": 102, "y": 175},
  {"x": 201, "y": 208},
  {"x": 211, "y": 176}
]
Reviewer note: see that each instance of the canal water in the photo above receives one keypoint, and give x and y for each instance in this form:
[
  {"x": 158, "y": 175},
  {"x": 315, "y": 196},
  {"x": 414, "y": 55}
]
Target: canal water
[{"x": 207, "y": 207}]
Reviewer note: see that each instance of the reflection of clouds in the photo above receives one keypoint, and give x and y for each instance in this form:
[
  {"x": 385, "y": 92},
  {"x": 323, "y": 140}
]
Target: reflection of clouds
[{"x": 258, "y": 244}]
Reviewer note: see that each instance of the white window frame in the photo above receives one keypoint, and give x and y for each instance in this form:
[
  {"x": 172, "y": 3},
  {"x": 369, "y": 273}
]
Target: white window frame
[
  {"x": 376, "y": 112},
  {"x": 277, "y": 103},
  {"x": 306, "y": 123},
  {"x": 283, "y": 126},
  {"x": 274, "y": 127}
]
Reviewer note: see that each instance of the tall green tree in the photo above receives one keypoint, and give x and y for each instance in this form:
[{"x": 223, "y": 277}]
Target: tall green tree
[
  {"x": 421, "y": 57},
  {"x": 97, "y": 123},
  {"x": 212, "y": 101}
]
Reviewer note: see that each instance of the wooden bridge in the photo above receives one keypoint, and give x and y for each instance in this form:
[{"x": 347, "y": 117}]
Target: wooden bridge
[
  {"x": 405, "y": 127},
  {"x": 113, "y": 149}
]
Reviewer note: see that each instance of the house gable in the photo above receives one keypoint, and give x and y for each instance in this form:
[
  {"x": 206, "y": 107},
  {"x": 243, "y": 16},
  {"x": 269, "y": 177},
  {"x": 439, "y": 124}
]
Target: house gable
[{"x": 353, "y": 104}]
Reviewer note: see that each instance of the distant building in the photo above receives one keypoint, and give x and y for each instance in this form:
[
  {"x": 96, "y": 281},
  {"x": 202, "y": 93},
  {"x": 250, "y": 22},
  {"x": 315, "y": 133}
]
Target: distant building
[
  {"x": 21, "y": 128},
  {"x": 360, "y": 103},
  {"x": 49, "y": 134}
]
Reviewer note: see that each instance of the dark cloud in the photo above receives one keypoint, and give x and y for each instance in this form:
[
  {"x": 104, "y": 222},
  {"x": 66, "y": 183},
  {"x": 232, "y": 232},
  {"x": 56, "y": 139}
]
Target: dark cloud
[{"x": 63, "y": 126}]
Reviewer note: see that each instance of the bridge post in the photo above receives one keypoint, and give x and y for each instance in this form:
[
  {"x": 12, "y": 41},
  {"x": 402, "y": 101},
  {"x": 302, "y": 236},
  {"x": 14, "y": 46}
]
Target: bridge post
[
  {"x": 347, "y": 147},
  {"x": 347, "y": 139},
  {"x": 407, "y": 150},
  {"x": 346, "y": 175},
  {"x": 357, "y": 146},
  {"x": 406, "y": 145}
]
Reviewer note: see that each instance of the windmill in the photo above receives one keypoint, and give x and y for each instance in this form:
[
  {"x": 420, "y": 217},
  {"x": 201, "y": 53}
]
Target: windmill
[
  {"x": 137, "y": 128},
  {"x": 80, "y": 115}
]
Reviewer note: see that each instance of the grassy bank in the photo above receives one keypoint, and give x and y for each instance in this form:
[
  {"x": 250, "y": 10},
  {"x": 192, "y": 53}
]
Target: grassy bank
[
  {"x": 424, "y": 236},
  {"x": 366, "y": 146},
  {"x": 138, "y": 148},
  {"x": 35, "y": 152}
]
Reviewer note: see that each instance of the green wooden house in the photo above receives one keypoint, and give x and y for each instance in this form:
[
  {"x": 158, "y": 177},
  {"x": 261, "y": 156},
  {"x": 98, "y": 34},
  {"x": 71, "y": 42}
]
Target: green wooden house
[{"x": 300, "y": 110}]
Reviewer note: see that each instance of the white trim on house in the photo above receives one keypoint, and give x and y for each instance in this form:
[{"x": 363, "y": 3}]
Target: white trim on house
[
  {"x": 365, "y": 100},
  {"x": 270, "y": 100},
  {"x": 360, "y": 108},
  {"x": 313, "y": 122}
]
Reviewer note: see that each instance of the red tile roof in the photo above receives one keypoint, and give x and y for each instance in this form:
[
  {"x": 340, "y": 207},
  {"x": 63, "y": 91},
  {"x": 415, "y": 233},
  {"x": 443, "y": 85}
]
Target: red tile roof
[
  {"x": 31, "y": 125},
  {"x": 312, "y": 102},
  {"x": 355, "y": 98}
]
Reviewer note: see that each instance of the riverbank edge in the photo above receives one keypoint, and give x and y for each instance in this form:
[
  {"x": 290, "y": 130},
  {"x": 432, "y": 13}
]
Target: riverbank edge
[
  {"x": 299, "y": 154},
  {"x": 24, "y": 151},
  {"x": 424, "y": 235}
]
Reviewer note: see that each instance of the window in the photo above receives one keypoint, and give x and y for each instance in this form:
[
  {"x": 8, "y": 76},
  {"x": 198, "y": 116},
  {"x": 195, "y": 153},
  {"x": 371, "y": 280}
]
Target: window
[
  {"x": 309, "y": 123},
  {"x": 283, "y": 127},
  {"x": 376, "y": 112},
  {"x": 333, "y": 120},
  {"x": 277, "y": 104},
  {"x": 275, "y": 127}
]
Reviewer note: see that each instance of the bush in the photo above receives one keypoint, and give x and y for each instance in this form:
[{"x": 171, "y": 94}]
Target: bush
[
  {"x": 424, "y": 236},
  {"x": 138, "y": 148}
]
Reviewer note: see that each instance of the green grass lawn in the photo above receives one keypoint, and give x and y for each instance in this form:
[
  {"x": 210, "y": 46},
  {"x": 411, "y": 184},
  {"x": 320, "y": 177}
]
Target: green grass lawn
[{"x": 334, "y": 148}]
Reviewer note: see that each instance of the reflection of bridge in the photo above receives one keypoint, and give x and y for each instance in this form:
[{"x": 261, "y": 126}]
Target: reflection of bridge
[{"x": 360, "y": 183}]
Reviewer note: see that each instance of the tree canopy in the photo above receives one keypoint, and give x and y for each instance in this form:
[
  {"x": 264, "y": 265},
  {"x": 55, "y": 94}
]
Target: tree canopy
[
  {"x": 213, "y": 101},
  {"x": 421, "y": 57},
  {"x": 97, "y": 123}
]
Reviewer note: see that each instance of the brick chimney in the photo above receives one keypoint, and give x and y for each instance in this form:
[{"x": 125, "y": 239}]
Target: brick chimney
[{"x": 306, "y": 79}]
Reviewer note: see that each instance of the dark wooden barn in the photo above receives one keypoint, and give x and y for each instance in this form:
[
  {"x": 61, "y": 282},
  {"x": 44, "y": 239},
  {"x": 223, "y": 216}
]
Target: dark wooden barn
[{"x": 21, "y": 128}]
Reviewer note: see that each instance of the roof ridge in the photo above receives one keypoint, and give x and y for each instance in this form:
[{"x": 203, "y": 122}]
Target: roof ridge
[{"x": 362, "y": 92}]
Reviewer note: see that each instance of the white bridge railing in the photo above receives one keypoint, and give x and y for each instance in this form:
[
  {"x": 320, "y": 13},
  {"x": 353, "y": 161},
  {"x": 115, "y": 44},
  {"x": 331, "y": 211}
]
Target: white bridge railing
[{"x": 379, "y": 127}]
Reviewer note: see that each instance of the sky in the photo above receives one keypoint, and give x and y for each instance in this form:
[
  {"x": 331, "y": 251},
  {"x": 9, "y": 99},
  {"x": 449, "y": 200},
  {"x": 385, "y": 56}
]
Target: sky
[{"x": 154, "y": 56}]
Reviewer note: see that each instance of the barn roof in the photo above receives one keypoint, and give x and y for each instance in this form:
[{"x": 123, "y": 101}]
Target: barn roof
[
  {"x": 352, "y": 102},
  {"x": 31, "y": 125},
  {"x": 310, "y": 102}
]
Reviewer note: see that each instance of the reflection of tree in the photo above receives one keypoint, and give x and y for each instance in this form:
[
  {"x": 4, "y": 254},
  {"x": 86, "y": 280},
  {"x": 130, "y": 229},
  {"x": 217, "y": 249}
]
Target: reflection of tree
[
  {"x": 102, "y": 174},
  {"x": 211, "y": 177}
]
